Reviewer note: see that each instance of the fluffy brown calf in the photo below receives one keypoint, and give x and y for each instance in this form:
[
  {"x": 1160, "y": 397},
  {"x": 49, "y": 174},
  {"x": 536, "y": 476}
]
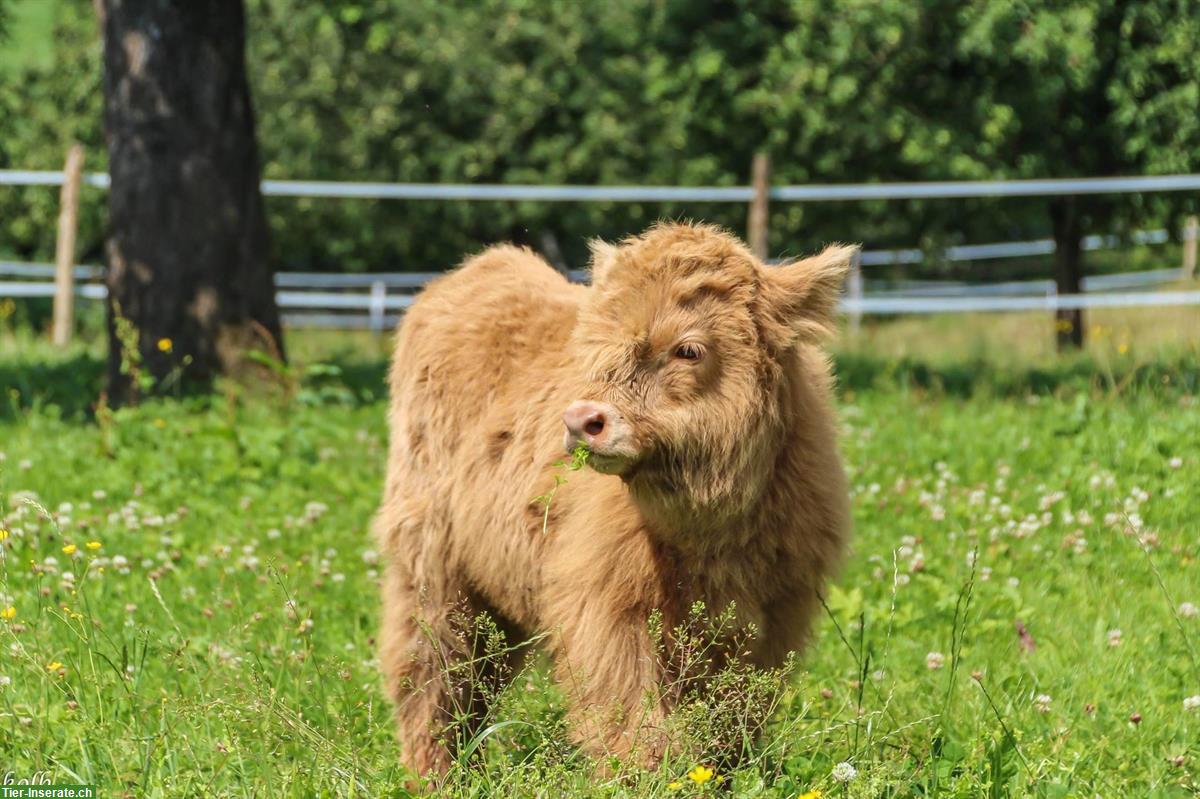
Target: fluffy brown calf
[{"x": 693, "y": 374}]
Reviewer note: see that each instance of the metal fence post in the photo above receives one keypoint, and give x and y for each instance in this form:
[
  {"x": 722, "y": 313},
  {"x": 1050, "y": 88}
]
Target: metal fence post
[
  {"x": 378, "y": 305},
  {"x": 64, "y": 255},
  {"x": 756, "y": 221},
  {"x": 854, "y": 290},
  {"x": 1191, "y": 234}
]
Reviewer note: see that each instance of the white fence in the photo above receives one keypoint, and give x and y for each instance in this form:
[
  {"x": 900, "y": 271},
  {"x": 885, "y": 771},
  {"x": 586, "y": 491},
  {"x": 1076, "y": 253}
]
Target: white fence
[{"x": 374, "y": 301}]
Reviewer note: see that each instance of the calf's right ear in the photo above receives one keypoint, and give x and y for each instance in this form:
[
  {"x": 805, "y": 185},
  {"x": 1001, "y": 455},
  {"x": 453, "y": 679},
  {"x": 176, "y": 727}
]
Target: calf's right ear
[
  {"x": 603, "y": 256},
  {"x": 801, "y": 297}
]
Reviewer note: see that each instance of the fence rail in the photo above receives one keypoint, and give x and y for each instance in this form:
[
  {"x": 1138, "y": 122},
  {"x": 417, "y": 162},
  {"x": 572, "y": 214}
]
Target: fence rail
[
  {"x": 360, "y": 302},
  {"x": 335, "y": 300},
  {"x": 954, "y": 189}
]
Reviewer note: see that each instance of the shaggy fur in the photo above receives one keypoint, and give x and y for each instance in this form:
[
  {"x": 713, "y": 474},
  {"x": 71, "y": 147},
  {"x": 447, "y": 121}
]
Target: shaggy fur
[{"x": 730, "y": 489}]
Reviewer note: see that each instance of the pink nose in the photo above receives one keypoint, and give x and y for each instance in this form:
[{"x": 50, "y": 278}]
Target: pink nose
[{"x": 587, "y": 423}]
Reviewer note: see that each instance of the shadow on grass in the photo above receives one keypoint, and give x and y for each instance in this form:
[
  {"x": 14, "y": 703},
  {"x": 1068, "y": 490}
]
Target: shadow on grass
[
  {"x": 366, "y": 379},
  {"x": 70, "y": 387},
  {"x": 1178, "y": 374},
  {"x": 65, "y": 387}
]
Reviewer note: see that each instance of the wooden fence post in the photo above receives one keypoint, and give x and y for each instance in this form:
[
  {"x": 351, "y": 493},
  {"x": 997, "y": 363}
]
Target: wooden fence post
[
  {"x": 756, "y": 222},
  {"x": 64, "y": 254},
  {"x": 1191, "y": 235}
]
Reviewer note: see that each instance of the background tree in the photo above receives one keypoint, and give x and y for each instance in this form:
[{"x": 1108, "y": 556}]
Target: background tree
[
  {"x": 187, "y": 254},
  {"x": 1082, "y": 89}
]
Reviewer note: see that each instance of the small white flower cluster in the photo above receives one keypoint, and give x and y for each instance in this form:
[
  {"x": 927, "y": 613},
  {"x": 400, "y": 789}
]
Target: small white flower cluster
[
  {"x": 1042, "y": 703},
  {"x": 908, "y": 551},
  {"x": 935, "y": 660},
  {"x": 844, "y": 772},
  {"x": 1191, "y": 703}
]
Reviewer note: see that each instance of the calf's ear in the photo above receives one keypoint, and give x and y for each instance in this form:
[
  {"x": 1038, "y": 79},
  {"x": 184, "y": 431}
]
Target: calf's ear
[
  {"x": 603, "y": 255},
  {"x": 801, "y": 297}
]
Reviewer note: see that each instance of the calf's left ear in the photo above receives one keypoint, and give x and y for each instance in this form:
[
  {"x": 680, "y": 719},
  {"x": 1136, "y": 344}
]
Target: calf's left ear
[{"x": 800, "y": 297}]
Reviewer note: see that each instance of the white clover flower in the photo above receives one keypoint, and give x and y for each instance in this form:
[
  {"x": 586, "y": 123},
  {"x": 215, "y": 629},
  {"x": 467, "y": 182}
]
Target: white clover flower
[
  {"x": 370, "y": 557},
  {"x": 935, "y": 660},
  {"x": 1188, "y": 611},
  {"x": 5, "y": 681},
  {"x": 844, "y": 772},
  {"x": 1191, "y": 703},
  {"x": 1042, "y": 702},
  {"x": 1176, "y": 462},
  {"x": 1114, "y": 637}
]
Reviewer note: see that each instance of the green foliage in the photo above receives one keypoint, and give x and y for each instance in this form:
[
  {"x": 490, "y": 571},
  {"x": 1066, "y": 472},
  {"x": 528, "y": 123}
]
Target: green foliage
[
  {"x": 44, "y": 108},
  {"x": 652, "y": 92}
]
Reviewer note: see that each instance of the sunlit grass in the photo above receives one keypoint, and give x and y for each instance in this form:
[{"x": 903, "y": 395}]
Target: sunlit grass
[{"x": 188, "y": 602}]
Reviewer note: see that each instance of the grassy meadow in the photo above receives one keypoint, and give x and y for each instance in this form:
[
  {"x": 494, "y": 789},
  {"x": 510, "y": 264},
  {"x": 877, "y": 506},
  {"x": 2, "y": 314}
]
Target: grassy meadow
[{"x": 188, "y": 589}]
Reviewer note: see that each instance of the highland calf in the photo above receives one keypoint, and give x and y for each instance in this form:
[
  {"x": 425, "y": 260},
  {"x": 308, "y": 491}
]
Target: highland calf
[{"x": 694, "y": 376}]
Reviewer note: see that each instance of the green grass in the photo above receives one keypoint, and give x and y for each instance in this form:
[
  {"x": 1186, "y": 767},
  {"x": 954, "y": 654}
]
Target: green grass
[{"x": 228, "y": 523}]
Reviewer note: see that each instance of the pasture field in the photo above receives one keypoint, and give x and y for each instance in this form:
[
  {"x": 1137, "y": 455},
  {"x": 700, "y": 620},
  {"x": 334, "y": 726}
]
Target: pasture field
[{"x": 188, "y": 598}]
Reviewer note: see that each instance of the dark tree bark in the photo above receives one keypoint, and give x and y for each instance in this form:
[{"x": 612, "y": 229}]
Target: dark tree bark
[
  {"x": 1068, "y": 269},
  {"x": 188, "y": 248}
]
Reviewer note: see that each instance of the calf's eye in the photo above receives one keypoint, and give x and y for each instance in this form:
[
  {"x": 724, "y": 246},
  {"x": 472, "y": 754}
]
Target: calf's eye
[{"x": 688, "y": 352}]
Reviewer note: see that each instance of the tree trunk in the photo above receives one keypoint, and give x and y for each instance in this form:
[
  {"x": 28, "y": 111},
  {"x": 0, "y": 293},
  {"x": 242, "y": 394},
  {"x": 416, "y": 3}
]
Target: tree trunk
[
  {"x": 188, "y": 250},
  {"x": 1068, "y": 269}
]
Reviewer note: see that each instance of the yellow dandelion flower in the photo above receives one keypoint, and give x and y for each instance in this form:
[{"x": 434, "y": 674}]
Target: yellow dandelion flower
[
  {"x": 93, "y": 545},
  {"x": 674, "y": 785},
  {"x": 53, "y": 666},
  {"x": 700, "y": 774},
  {"x": 1122, "y": 348},
  {"x": 810, "y": 795},
  {"x": 165, "y": 345},
  {"x": 3, "y": 534},
  {"x": 69, "y": 549},
  {"x": 9, "y": 613}
]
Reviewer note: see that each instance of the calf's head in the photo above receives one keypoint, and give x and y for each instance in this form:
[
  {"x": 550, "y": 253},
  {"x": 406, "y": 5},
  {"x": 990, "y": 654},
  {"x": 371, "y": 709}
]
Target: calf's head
[{"x": 683, "y": 348}]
